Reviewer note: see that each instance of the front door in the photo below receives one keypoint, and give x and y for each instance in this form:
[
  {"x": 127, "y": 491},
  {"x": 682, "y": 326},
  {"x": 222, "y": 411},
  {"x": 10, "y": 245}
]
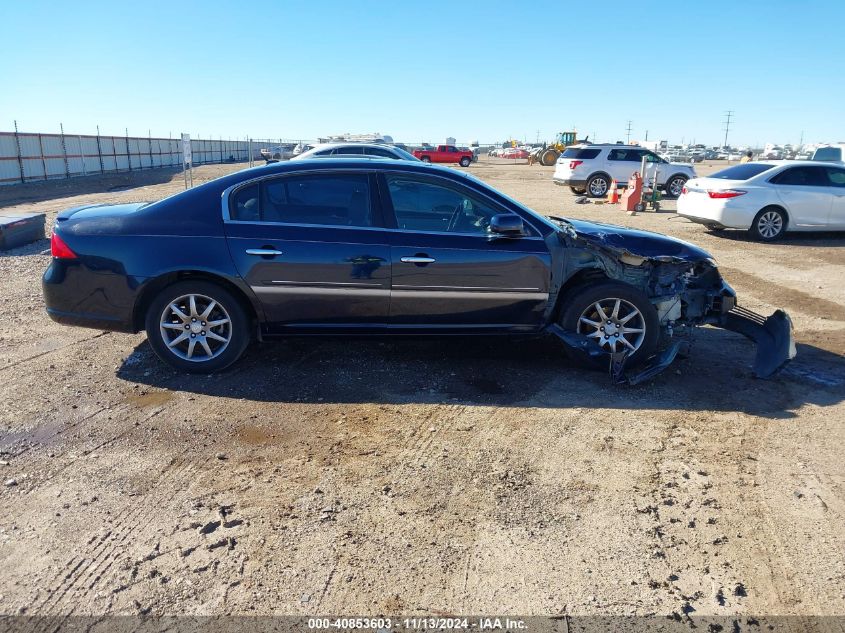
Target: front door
[
  {"x": 449, "y": 273},
  {"x": 313, "y": 249}
]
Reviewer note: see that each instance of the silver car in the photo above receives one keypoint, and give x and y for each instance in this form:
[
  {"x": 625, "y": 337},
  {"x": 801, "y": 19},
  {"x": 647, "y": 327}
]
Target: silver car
[{"x": 356, "y": 150}]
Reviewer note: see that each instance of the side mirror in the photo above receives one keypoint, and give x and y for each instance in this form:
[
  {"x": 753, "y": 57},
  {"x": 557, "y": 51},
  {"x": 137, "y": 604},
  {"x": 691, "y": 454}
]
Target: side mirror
[{"x": 507, "y": 224}]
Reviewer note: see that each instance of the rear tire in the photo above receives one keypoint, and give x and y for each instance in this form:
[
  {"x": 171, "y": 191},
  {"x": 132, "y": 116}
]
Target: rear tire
[
  {"x": 580, "y": 314},
  {"x": 189, "y": 319},
  {"x": 674, "y": 186},
  {"x": 425, "y": 159},
  {"x": 578, "y": 191},
  {"x": 465, "y": 162},
  {"x": 769, "y": 224},
  {"x": 598, "y": 186}
]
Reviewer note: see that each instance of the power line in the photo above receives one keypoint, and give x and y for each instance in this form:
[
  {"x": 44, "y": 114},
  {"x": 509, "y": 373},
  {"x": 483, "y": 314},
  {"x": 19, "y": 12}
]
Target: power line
[{"x": 727, "y": 127}]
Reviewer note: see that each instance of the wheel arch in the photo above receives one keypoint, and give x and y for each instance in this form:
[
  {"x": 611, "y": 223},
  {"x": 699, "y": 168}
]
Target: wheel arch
[
  {"x": 152, "y": 287},
  {"x": 582, "y": 277},
  {"x": 780, "y": 208}
]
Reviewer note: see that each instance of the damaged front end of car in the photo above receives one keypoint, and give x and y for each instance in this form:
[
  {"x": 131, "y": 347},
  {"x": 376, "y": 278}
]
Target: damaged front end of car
[{"x": 684, "y": 286}]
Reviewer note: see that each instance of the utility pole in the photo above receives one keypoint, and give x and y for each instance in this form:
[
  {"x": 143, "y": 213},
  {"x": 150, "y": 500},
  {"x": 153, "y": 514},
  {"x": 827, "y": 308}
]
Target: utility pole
[
  {"x": 727, "y": 128},
  {"x": 628, "y": 141}
]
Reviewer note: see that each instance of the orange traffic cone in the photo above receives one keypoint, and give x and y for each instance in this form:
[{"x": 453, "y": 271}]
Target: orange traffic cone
[{"x": 613, "y": 194}]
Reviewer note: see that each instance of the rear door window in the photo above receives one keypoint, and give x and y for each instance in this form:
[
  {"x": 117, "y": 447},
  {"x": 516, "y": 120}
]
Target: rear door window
[
  {"x": 327, "y": 199},
  {"x": 809, "y": 176},
  {"x": 625, "y": 154}
]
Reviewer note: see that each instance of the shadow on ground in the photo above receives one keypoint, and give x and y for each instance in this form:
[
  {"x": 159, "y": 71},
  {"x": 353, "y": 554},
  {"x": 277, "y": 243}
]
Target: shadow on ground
[
  {"x": 825, "y": 239},
  {"x": 501, "y": 372}
]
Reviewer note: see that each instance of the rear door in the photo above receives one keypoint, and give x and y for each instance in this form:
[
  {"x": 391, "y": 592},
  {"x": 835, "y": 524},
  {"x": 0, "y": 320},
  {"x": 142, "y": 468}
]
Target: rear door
[
  {"x": 449, "y": 273},
  {"x": 836, "y": 176},
  {"x": 622, "y": 162},
  {"x": 806, "y": 194},
  {"x": 313, "y": 248}
]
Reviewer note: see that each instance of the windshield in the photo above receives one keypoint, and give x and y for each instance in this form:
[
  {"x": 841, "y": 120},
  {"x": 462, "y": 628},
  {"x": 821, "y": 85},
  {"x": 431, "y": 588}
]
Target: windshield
[
  {"x": 742, "y": 172},
  {"x": 828, "y": 153}
]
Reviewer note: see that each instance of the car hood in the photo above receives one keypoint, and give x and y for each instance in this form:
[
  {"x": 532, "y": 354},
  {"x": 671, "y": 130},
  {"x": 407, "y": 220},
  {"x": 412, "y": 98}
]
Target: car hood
[{"x": 636, "y": 242}]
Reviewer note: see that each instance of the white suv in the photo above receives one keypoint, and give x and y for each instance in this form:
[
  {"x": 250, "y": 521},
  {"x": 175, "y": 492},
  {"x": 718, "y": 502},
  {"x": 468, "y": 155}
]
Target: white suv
[{"x": 591, "y": 168}]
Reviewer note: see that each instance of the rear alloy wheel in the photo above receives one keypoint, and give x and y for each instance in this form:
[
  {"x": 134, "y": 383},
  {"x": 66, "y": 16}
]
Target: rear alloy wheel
[
  {"x": 465, "y": 162},
  {"x": 197, "y": 326},
  {"x": 425, "y": 159},
  {"x": 618, "y": 317},
  {"x": 597, "y": 186},
  {"x": 769, "y": 224},
  {"x": 675, "y": 186}
]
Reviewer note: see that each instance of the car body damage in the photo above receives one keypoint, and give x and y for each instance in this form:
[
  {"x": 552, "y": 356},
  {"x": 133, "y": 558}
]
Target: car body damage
[{"x": 681, "y": 281}]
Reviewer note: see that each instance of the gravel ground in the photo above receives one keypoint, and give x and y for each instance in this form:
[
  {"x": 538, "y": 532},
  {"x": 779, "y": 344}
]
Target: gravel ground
[{"x": 406, "y": 477}]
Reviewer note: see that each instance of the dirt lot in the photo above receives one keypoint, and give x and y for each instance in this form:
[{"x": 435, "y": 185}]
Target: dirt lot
[{"x": 366, "y": 477}]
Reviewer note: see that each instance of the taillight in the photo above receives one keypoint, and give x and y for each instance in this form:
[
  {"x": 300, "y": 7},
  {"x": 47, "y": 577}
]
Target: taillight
[
  {"x": 59, "y": 249},
  {"x": 726, "y": 193},
  {"x": 574, "y": 163}
]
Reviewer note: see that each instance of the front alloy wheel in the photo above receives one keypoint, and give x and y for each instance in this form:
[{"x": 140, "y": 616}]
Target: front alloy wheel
[
  {"x": 614, "y": 323},
  {"x": 616, "y": 316}
]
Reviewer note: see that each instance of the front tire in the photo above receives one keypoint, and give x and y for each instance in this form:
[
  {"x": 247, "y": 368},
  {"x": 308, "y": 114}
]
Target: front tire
[
  {"x": 598, "y": 185},
  {"x": 197, "y": 327},
  {"x": 769, "y": 224},
  {"x": 465, "y": 162},
  {"x": 615, "y": 315}
]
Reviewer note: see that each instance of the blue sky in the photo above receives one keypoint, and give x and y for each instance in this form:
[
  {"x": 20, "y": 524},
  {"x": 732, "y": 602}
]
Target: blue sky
[{"x": 424, "y": 70}]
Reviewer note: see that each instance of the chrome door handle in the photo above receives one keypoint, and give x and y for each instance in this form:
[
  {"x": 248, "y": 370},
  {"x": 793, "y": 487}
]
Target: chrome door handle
[
  {"x": 418, "y": 260},
  {"x": 262, "y": 252}
]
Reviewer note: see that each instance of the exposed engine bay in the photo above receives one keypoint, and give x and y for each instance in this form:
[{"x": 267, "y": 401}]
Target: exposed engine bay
[{"x": 683, "y": 284}]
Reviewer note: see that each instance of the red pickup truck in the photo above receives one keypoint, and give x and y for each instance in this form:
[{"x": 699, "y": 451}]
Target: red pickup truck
[{"x": 444, "y": 154}]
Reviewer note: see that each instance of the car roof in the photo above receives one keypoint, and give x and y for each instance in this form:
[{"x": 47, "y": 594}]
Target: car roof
[
  {"x": 352, "y": 162},
  {"x": 350, "y": 144}
]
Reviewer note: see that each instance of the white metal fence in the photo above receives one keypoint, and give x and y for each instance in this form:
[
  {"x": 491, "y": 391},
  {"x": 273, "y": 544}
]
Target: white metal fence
[{"x": 29, "y": 156}]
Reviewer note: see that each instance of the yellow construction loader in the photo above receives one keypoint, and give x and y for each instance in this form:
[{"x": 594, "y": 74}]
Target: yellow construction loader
[{"x": 548, "y": 155}]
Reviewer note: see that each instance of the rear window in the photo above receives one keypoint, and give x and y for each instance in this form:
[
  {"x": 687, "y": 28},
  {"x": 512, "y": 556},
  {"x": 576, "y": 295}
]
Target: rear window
[
  {"x": 574, "y": 152},
  {"x": 828, "y": 153},
  {"x": 741, "y": 172}
]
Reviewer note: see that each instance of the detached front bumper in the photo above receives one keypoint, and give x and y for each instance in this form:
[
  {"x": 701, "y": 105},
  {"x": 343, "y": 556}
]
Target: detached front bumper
[{"x": 773, "y": 336}]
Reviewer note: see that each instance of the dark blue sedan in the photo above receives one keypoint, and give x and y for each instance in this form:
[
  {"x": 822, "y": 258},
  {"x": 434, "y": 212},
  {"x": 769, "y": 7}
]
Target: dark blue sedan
[{"x": 381, "y": 247}]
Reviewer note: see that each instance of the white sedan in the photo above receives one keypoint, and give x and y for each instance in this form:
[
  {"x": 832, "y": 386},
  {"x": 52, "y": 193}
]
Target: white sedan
[{"x": 769, "y": 198}]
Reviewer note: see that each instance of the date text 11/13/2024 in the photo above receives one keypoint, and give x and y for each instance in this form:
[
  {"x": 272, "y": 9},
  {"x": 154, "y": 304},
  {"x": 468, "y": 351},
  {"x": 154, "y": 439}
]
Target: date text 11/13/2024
[{"x": 418, "y": 624}]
